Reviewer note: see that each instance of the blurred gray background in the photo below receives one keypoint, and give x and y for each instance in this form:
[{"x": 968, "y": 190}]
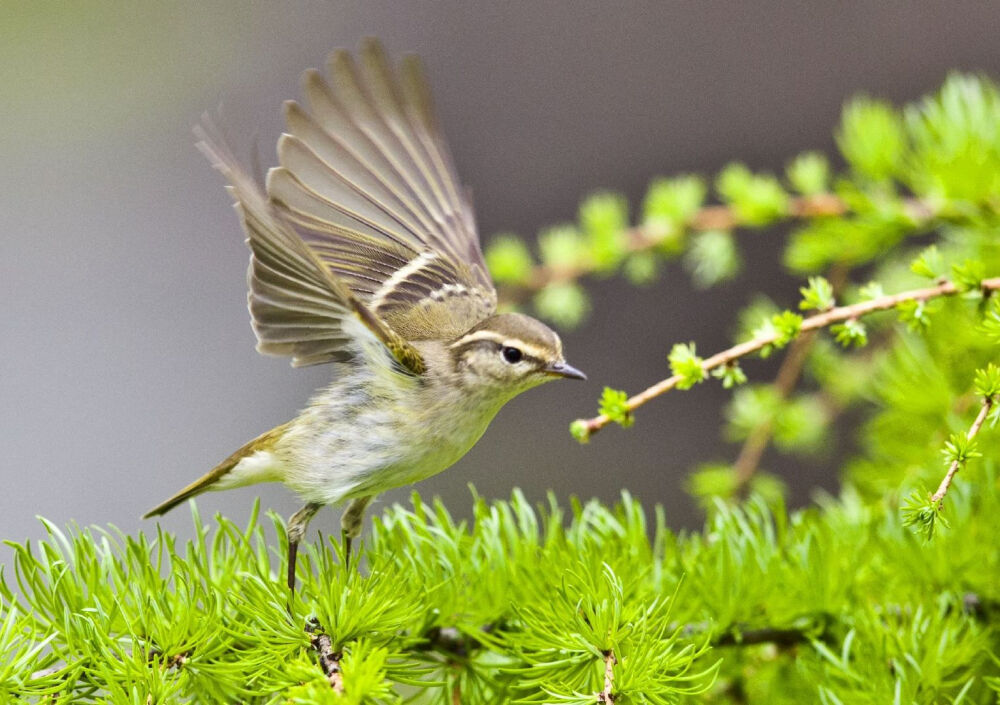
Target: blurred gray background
[{"x": 127, "y": 365}]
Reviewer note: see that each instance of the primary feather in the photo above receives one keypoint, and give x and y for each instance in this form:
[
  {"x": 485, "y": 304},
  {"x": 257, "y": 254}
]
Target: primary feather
[{"x": 367, "y": 182}]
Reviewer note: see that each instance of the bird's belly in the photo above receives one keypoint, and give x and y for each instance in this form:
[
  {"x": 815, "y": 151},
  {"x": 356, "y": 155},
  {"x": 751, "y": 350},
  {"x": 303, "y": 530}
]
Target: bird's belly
[{"x": 356, "y": 450}]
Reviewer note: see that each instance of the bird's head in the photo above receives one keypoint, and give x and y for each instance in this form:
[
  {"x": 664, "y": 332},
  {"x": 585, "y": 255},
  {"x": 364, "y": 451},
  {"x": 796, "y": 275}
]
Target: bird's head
[{"x": 510, "y": 353}]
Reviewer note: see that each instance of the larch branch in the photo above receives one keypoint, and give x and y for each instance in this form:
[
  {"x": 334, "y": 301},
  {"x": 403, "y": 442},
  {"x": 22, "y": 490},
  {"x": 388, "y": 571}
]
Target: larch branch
[
  {"x": 643, "y": 238},
  {"x": 329, "y": 659},
  {"x": 606, "y": 696},
  {"x": 956, "y": 464},
  {"x": 748, "y": 460},
  {"x": 838, "y": 314}
]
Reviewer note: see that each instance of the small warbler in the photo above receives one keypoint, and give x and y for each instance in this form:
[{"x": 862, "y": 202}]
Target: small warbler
[{"x": 364, "y": 254}]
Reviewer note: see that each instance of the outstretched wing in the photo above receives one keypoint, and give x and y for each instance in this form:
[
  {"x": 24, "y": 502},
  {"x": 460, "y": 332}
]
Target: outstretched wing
[
  {"x": 367, "y": 182},
  {"x": 298, "y": 306}
]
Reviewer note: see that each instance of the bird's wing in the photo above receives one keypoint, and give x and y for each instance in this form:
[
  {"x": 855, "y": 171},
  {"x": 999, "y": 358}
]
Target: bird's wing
[
  {"x": 299, "y": 307},
  {"x": 366, "y": 180}
]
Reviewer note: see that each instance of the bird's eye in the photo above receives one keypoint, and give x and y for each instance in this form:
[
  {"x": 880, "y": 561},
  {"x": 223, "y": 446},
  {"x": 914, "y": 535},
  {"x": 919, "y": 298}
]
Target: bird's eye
[{"x": 511, "y": 354}]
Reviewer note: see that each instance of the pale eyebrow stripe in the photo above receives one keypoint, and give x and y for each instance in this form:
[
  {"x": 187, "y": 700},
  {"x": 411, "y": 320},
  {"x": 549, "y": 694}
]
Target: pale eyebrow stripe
[
  {"x": 532, "y": 350},
  {"x": 489, "y": 336},
  {"x": 477, "y": 336}
]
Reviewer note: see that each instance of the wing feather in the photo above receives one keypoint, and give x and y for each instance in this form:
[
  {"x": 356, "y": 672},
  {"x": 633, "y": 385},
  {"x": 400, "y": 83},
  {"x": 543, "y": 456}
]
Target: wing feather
[
  {"x": 367, "y": 182},
  {"x": 386, "y": 99},
  {"x": 304, "y": 183},
  {"x": 334, "y": 123},
  {"x": 297, "y": 305},
  {"x": 353, "y": 172}
]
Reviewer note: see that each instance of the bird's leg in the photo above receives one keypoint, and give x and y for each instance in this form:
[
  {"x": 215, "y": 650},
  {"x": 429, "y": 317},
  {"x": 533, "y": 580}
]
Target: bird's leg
[
  {"x": 351, "y": 523},
  {"x": 297, "y": 524}
]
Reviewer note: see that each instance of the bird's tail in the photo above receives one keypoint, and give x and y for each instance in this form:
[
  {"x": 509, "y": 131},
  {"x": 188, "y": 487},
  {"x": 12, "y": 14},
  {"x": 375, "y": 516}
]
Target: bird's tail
[{"x": 206, "y": 482}]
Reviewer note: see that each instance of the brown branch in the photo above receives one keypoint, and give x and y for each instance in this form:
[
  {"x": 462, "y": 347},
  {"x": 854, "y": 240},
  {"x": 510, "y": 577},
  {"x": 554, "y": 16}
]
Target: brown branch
[
  {"x": 746, "y": 463},
  {"x": 329, "y": 660},
  {"x": 606, "y": 696},
  {"x": 748, "y": 459},
  {"x": 838, "y": 314},
  {"x": 957, "y": 463},
  {"x": 644, "y": 238}
]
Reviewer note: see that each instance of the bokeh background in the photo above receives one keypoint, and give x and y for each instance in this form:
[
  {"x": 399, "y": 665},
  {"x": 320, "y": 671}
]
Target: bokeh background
[{"x": 127, "y": 365}]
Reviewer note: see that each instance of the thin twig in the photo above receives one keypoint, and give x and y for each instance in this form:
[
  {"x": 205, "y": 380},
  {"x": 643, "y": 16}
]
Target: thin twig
[
  {"x": 957, "y": 463},
  {"x": 643, "y": 238},
  {"x": 329, "y": 660},
  {"x": 606, "y": 696},
  {"x": 748, "y": 460},
  {"x": 838, "y": 314},
  {"x": 789, "y": 373}
]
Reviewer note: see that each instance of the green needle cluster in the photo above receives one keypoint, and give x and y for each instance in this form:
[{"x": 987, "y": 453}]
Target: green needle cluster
[{"x": 522, "y": 603}]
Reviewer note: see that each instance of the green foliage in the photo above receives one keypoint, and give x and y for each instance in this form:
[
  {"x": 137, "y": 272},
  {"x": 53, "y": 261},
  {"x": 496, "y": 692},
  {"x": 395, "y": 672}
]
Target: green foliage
[
  {"x": 579, "y": 430},
  {"x": 754, "y": 316},
  {"x": 955, "y": 142},
  {"x": 732, "y": 375},
  {"x": 797, "y": 424},
  {"x": 787, "y": 326},
  {"x": 917, "y": 314},
  {"x": 562, "y": 247},
  {"x": 509, "y": 259},
  {"x": 684, "y": 363},
  {"x": 969, "y": 275},
  {"x": 818, "y": 296},
  {"x": 712, "y": 258},
  {"x": 929, "y": 264},
  {"x": 825, "y": 242},
  {"x": 989, "y": 326},
  {"x": 872, "y": 139},
  {"x": 872, "y": 291},
  {"x": 715, "y": 482},
  {"x": 565, "y": 304},
  {"x": 641, "y": 268},
  {"x": 809, "y": 173},
  {"x": 838, "y": 603},
  {"x": 987, "y": 381},
  {"x": 671, "y": 203},
  {"x": 756, "y": 199},
  {"x": 959, "y": 448},
  {"x": 922, "y": 511},
  {"x": 604, "y": 219},
  {"x": 928, "y": 169},
  {"x": 934, "y": 164},
  {"x": 614, "y": 405},
  {"x": 780, "y": 329},
  {"x": 850, "y": 333},
  {"x": 923, "y": 515}
]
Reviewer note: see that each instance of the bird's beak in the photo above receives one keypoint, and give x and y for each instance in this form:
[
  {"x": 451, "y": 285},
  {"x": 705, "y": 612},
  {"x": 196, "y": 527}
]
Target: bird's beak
[{"x": 561, "y": 369}]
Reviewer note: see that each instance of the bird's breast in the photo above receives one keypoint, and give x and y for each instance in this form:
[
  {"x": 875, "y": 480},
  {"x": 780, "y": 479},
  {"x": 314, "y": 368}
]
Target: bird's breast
[{"x": 361, "y": 437}]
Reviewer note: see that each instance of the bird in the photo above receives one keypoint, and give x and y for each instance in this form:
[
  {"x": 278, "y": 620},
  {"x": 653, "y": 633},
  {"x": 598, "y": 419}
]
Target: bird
[{"x": 364, "y": 255}]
